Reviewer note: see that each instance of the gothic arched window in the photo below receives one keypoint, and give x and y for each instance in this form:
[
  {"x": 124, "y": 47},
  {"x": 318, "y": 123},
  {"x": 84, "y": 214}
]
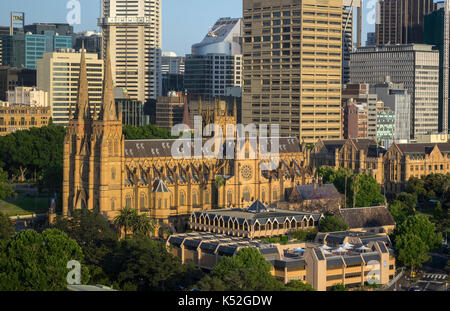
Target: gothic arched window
[
  {"x": 182, "y": 198},
  {"x": 230, "y": 197}
]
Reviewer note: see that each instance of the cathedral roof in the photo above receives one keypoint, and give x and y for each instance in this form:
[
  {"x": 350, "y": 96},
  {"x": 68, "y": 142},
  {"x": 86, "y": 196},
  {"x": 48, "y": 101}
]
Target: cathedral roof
[{"x": 160, "y": 187}]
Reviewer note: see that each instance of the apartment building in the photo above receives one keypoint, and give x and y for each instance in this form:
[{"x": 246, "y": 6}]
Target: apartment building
[
  {"x": 292, "y": 54},
  {"x": 132, "y": 31},
  {"x": 58, "y": 74},
  {"x": 22, "y": 117}
]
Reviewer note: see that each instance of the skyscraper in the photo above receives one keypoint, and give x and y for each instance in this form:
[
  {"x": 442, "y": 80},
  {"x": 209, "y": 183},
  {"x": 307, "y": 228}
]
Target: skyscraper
[
  {"x": 58, "y": 75},
  {"x": 215, "y": 64},
  {"x": 402, "y": 21},
  {"x": 414, "y": 65},
  {"x": 437, "y": 33},
  {"x": 293, "y": 66},
  {"x": 133, "y": 31}
]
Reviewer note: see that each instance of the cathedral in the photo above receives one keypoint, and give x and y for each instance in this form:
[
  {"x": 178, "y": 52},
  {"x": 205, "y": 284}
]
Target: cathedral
[{"x": 105, "y": 172}]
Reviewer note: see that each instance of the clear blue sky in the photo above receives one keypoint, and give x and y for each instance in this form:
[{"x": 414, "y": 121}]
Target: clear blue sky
[{"x": 185, "y": 22}]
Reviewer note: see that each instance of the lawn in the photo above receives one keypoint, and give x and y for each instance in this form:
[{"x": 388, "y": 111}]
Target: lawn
[{"x": 25, "y": 206}]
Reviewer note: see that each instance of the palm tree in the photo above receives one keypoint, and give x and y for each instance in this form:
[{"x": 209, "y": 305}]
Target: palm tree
[
  {"x": 126, "y": 219},
  {"x": 142, "y": 224}
]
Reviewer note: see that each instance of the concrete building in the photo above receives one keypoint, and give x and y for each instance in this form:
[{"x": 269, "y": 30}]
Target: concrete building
[
  {"x": 396, "y": 97},
  {"x": 10, "y": 78},
  {"x": 414, "y": 65},
  {"x": 170, "y": 110},
  {"x": 354, "y": 120},
  {"x": 437, "y": 33},
  {"x": 58, "y": 75},
  {"x": 321, "y": 266},
  {"x": 215, "y": 64},
  {"x": 402, "y": 21},
  {"x": 132, "y": 30},
  {"x": 293, "y": 67},
  {"x": 24, "y": 50},
  {"x": 360, "y": 94},
  {"x": 22, "y": 117},
  {"x": 28, "y": 96}
]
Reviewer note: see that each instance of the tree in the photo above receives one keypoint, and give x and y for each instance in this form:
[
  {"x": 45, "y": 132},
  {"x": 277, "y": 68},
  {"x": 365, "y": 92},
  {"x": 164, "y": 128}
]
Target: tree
[
  {"x": 368, "y": 192},
  {"x": 423, "y": 228},
  {"x": 6, "y": 227},
  {"x": 144, "y": 264},
  {"x": 93, "y": 233},
  {"x": 339, "y": 288},
  {"x": 143, "y": 225},
  {"x": 400, "y": 211},
  {"x": 412, "y": 251},
  {"x": 410, "y": 200},
  {"x": 126, "y": 219},
  {"x": 416, "y": 186},
  {"x": 38, "y": 262},
  {"x": 246, "y": 271},
  {"x": 6, "y": 190},
  {"x": 304, "y": 235},
  {"x": 298, "y": 286},
  {"x": 332, "y": 224},
  {"x": 145, "y": 132}
]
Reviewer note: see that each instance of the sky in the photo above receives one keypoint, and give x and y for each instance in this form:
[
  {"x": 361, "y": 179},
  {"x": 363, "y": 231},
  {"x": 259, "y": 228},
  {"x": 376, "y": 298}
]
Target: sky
[{"x": 184, "y": 22}]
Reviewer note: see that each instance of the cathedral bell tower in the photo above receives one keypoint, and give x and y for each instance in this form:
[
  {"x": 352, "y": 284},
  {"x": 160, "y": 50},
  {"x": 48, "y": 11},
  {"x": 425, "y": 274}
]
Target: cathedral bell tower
[{"x": 94, "y": 150}]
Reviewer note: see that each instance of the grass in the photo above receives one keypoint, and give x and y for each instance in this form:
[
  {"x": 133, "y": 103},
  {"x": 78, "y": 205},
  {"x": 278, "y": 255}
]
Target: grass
[{"x": 25, "y": 206}]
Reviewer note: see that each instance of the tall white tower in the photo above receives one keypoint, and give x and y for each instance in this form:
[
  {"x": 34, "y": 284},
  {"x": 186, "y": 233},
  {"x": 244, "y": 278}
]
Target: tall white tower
[{"x": 133, "y": 31}]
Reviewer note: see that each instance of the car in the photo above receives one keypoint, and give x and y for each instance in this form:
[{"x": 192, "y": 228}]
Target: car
[{"x": 414, "y": 289}]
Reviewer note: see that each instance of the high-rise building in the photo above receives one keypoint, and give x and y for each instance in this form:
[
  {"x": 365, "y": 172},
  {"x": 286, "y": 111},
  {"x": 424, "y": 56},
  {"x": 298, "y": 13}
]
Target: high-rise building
[
  {"x": 396, "y": 97},
  {"x": 385, "y": 125},
  {"x": 132, "y": 110},
  {"x": 371, "y": 39},
  {"x": 172, "y": 70},
  {"x": 437, "y": 33},
  {"x": 402, "y": 21},
  {"x": 23, "y": 50},
  {"x": 348, "y": 38},
  {"x": 58, "y": 75},
  {"x": 215, "y": 64},
  {"x": 293, "y": 66},
  {"x": 354, "y": 120},
  {"x": 10, "y": 78},
  {"x": 132, "y": 30},
  {"x": 172, "y": 64},
  {"x": 92, "y": 40},
  {"x": 360, "y": 93},
  {"x": 414, "y": 65}
]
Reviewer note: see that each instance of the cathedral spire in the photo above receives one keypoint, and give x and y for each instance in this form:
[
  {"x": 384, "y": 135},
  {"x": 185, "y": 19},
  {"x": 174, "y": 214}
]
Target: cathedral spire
[
  {"x": 186, "y": 113},
  {"x": 108, "y": 111},
  {"x": 82, "y": 106}
]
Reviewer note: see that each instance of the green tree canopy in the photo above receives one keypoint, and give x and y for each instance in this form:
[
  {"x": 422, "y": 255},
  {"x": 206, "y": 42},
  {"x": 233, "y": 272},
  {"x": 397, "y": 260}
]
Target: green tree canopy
[
  {"x": 423, "y": 228},
  {"x": 38, "y": 262},
  {"x": 6, "y": 227},
  {"x": 400, "y": 211},
  {"x": 332, "y": 224},
  {"x": 6, "y": 190},
  {"x": 246, "y": 271},
  {"x": 298, "y": 286},
  {"x": 412, "y": 251},
  {"x": 145, "y": 132},
  {"x": 144, "y": 264}
]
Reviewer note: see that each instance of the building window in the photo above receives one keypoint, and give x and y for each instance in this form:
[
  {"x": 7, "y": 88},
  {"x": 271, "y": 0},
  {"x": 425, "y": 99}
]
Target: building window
[
  {"x": 194, "y": 198},
  {"x": 182, "y": 198},
  {"x": 143, "y": 202},
  {"x": 128, "y": 202},
  {"x": 113, "y": 203},
  {"x": 207, "y": 198},
  {"x": 113, "y": 173},
  {"x": 230, "y": 197}
]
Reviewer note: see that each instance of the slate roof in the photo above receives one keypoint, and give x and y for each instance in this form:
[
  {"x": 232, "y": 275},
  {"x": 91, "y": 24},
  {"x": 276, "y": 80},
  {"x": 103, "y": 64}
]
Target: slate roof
[
  {"x": 163, "y": 147},
  {"x": 423, "y": 148},
  {"x": 318, "y": 192},
  {"x": 367, "y": 217},
  {"x": 160, "y": 187}
]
